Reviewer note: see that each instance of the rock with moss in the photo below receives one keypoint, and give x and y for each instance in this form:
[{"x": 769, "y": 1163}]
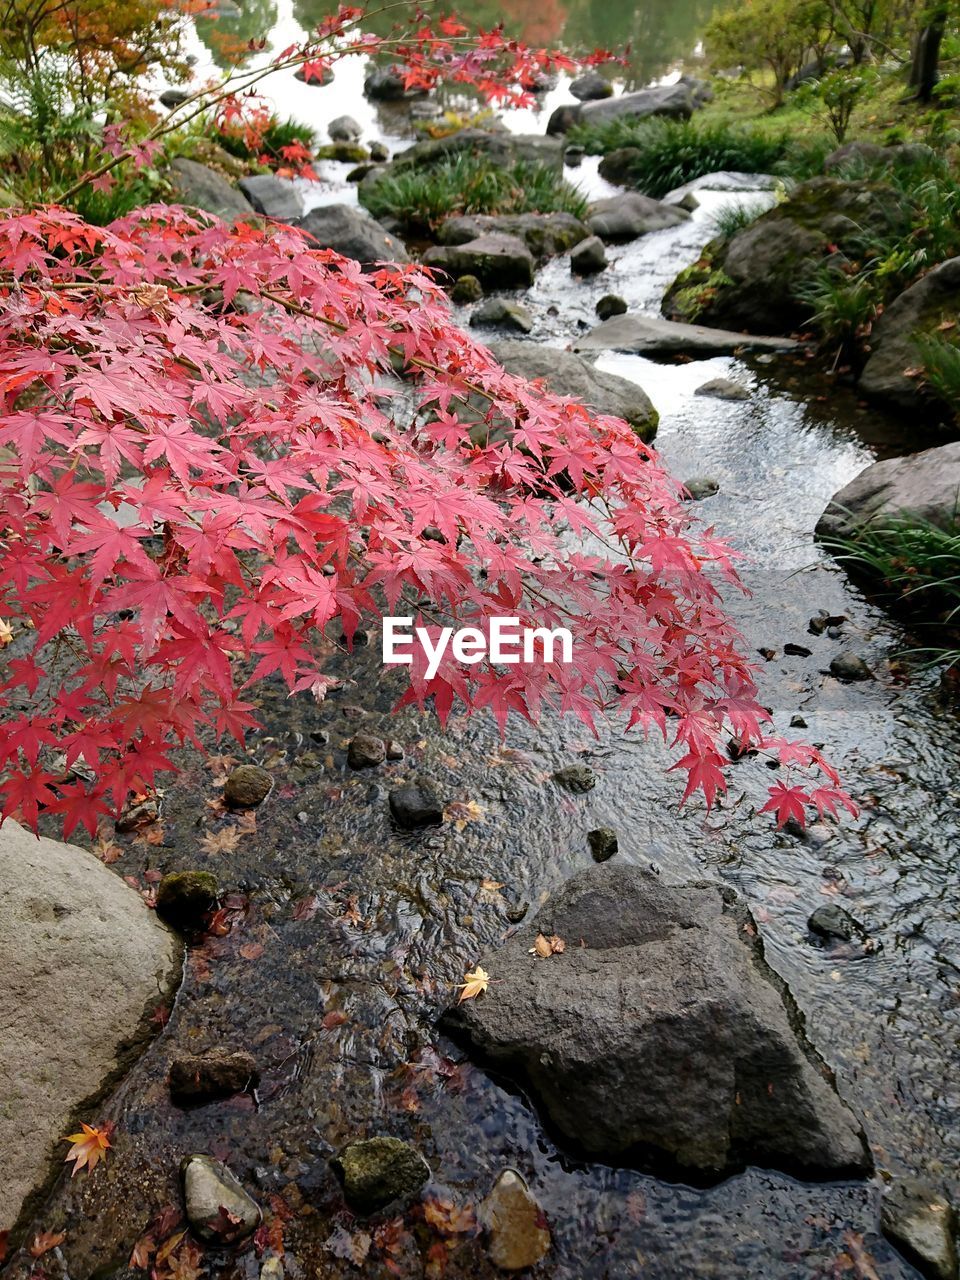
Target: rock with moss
[
  {"x": 544, "y": 234},
  {"x": 185, "y": 897},
  {"x": 919, "y": 486},
  {"x": 499, "y": 313},
  {"x": 247, "y": 786},
  {"x": 758, "y": 279},
  {"x": 923, "y": 1225},
  {"x": 345, "y": 152},
  {"x": 498, "y": 261},
  {"x": 376, "y": 1172},
  {"x": 919, "y": 313},
  {"x": 618, "y": 219},
  {"x": 501, "y": 148},
  {"x": 466, "y": 289}
]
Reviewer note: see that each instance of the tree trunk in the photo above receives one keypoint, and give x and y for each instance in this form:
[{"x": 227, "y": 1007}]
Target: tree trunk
[{"x": 926, "y": 55}]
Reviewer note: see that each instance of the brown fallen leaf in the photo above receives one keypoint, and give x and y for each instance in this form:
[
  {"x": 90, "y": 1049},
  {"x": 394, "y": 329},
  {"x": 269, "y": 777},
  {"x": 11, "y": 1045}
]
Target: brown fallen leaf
[
  {"x": 252, "y": 950},
  {"x": 492, "y": 885},
  {"x": 44, "y": 1241},
  {"x": 224, "y": 841},
  {"x": 460, "y": 812},
  {"x": 142, "y": 1253},
  {"x": 168, "y": 1247},
  {"x": 89, "y": 1147},
  {"x": 544, "y": 947},
  {"x": 474, "y": 984},
  {"x": 448, "y": 1218}
]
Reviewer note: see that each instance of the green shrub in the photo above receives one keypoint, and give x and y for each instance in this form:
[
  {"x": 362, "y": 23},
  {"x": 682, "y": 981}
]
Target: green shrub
[
  {"x": 727, "y": 222},
  {"x": 842, "y": 307},
  {"x": 670, "y": 153},
  {"x": 422, "y": 199},
  {"x": 940, "y": 361}
]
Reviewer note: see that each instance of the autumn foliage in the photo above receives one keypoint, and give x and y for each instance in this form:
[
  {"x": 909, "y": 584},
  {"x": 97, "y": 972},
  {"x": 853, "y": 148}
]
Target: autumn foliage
[{"x": 220, "y": 447}]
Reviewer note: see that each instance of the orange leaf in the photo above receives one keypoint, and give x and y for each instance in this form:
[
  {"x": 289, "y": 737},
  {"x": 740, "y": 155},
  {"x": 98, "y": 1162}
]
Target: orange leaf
[
  {"x": 44, "y": 1241},
  {"x": 89, "y": 1147}
]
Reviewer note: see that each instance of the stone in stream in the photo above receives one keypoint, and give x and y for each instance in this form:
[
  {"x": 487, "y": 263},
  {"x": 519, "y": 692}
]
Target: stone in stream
[
  {"x": 498, "y": 261},
  {"x": 466, "y": 289},
  {"x": 922, "y": 1223},
  {"x": 201, "y": 187},
  {"x": 344, "y": 129},
  {"x": 567, "y": 374},
  {"x": 678, "y": 101},
  {"x": 498, "y": 313},
  {"x": 834, "y": 924},
  {"x": 652, "y": 335},
  {"x": 611, "y": 304},
  {"x": 517, "y": 1234},
  {"x": 366, "y": 751},
  {"x": 850, "y": 667},
  {"x": 394, "y": 749},
  {"x": 544, "y": 234},
  {"x": 578, "y": 778},
  {"x": 687, "y": 201},
  {"x": 660, "y": 1034},
  {"x": 272, "y": 196},
  {"x": 919, "y": 485},
  {"x": 83, "y": 961},
  {"x": 171, "y": 98},
  {"x": 588, "y": 257},
  {"x": 603, "y": 843},
  {"x": 723, "y": 389},
  {"x": 573, "y": 156},
  {"x": 353, "y": 233},
  {"x": 208, "y": 1076},
  {"x": 185, "y": 897},
  {"x": 219, "y": 1210},
  {"x": 417, "y": 804},
  {"x": 379, "y": 151},
  {"x": 375, "y": 1172},
  {"x": 700, "y": 487},
  {"x": 246, "y": 786},
  {"x": 617, "y": 219},
  {"x": 591, "y": 87}
]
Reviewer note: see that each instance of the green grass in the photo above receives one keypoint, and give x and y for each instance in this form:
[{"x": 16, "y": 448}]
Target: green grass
[
  {"x": 727, "y": 222},
  {"x": 940, "y": 361},
  {"x": 670, "y": 153},
  {"x": 422, "y": 199}
]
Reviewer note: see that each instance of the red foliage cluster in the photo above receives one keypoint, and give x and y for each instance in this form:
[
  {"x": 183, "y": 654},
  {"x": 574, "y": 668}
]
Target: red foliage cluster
[{"x": 217, "y": 442}]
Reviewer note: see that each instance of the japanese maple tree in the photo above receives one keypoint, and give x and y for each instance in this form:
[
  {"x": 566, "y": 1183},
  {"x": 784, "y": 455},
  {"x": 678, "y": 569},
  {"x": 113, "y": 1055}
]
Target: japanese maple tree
[{"x": 219, "y": 443}]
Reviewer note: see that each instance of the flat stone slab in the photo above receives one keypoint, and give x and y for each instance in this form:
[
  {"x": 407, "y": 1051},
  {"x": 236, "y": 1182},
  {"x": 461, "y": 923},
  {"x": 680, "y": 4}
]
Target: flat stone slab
[
  {"x": 651, "y": 335},
  {"x": 85, "y": 962}
]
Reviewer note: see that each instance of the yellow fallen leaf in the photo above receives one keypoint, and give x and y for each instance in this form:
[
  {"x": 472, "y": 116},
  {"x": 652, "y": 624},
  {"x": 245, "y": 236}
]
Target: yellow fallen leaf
[
  {"x": 460, "y": 812},
  {"x": 6, "y": 633},
  {"x": 89, "y": 1147},
  {"x": 224, "y": 841},
  {"x": 474, "y": 985},
  {"x": 492, "y": 886}
]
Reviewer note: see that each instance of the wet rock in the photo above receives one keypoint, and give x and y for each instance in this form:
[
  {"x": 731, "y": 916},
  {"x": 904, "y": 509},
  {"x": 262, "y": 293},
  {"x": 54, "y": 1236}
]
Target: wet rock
[
  {"x": 200, "y": 187},
  {"x": 344, "y": 152},
  {"x": 497, "y": 313},
  {"x": 360, "y": 171},
  {"x": 578, "y": 778},
  {"x": 517, "y": 913},
  {"x": 394, "y": 749},
  {"x": 366, "y": 751},
  {"x": 171, "y": 98},
  {"x": 344, "y": 129},
  {"x": 418, "y": 804},
  {"x": 246, "y": 786},
  {"x": 603, "y": 843},
  {"x": 83, "y": 957},
  {"x": 185, "y": 897},
  {"x": 723, "y": 389},
  {"x": 573, "y": 156},
  {"x": 387, "y": 84},
  {"x": 850, "y": 667},
  {"x": 376, "y": 1172},
  {"x": 611, "y": 304},
  {"x": 725, "y": 180},
  {"x": 498, "y": 261},
  {"x": 544, "y": 234},
  {"x": 517, "y": 1235},
  {"x": 652, "y": 335},
  {"x": 834, "y": 924},
  {"x": 318, "y": 81},
  {"x": 669, "y": 1008},
  {"x": 588, "y": 257},
  {"x": 379, "y": 151},
  {"x": 759, "y": 277},
  {"x": 700, "y": 487},
  {"x": 136, "y": 814},
  {"x": 591, "y": 87},
  {"x": 567, "y": 374},
  {"x": 798, "y": 722},
  {"x": 617, "y": 219},
  {"x": 922, "y": 1223},
  {"x": 206, "y": 1077},
  {"x": 687, "y": 201},
  {"x": 353, "y": 233},
  {"x": 823, "y": 621},
  {"x": 466, "y": 289},
  {"x": 274, "y": 197},
  {"x": 219, "y": 1210}
]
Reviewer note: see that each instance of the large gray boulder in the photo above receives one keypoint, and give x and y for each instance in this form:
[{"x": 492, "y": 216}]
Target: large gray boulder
[
  {"x": 201, "y": 187},
  {"x": 923, "y": 485},
  {"x": 273, "y": 197},
  {"x": 676, "y": 101},
  {"x": 917, "y": 312},
  {"x": 497, "y": 261},
  {"x": 567, "y": 374},
  {"x": 500, "y": 147},
  {"x": 86, "y": 963},
  {"x": 660, "y": 1032},
  {"x": 653, "y": 336},
  {"x": 353, "y": 233},
  {"x": 758, "y": 279},
  {"x": 617, "y": 219},
  {"x": 544, "y": 234}
]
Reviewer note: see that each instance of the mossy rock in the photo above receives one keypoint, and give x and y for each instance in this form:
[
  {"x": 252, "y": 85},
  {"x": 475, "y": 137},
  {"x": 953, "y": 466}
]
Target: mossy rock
[
  {"x": 378, "y": 1171},
  {"x": 185, "y": 897},
  {"x": 756, "y": 280},
  {"x": 345, "y": 152}
]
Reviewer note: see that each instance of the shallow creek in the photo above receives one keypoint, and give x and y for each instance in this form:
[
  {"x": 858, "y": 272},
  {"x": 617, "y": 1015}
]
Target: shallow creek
[{"x": 341, "y": 915}]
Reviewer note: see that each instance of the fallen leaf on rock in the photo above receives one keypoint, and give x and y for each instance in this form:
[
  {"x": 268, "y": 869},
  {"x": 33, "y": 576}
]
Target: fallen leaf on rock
[
  {"x": 143, "y": 1251},
  {"x": 335, "y": 1018},
  {"x": 492, "y": 885},
  {"x": 44, "y": 1241},
  {"x": 543, "y": 946},
  {"x": 448, "y": 1218},
  {"x": 252, "y": 950},
  {"x": 169, "y": 1247},
  {"x": 224, "y": 841},
  {"x": 107, "y": 850},
  {"x": 6, "y": 633},
  {"x": 351, "y": 1248},
  {"x": 474, "y": 984},
  {"x": 460, "y": 812},
  {"x": 89, "y": 1147}
]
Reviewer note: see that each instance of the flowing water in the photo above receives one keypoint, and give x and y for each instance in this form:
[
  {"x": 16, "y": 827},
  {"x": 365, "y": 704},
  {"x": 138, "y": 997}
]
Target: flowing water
[{"x": 348, "y": 936}]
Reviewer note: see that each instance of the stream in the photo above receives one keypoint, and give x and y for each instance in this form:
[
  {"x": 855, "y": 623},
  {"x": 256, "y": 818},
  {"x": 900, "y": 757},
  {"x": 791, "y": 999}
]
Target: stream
[{"x": 348, "y": 937}]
